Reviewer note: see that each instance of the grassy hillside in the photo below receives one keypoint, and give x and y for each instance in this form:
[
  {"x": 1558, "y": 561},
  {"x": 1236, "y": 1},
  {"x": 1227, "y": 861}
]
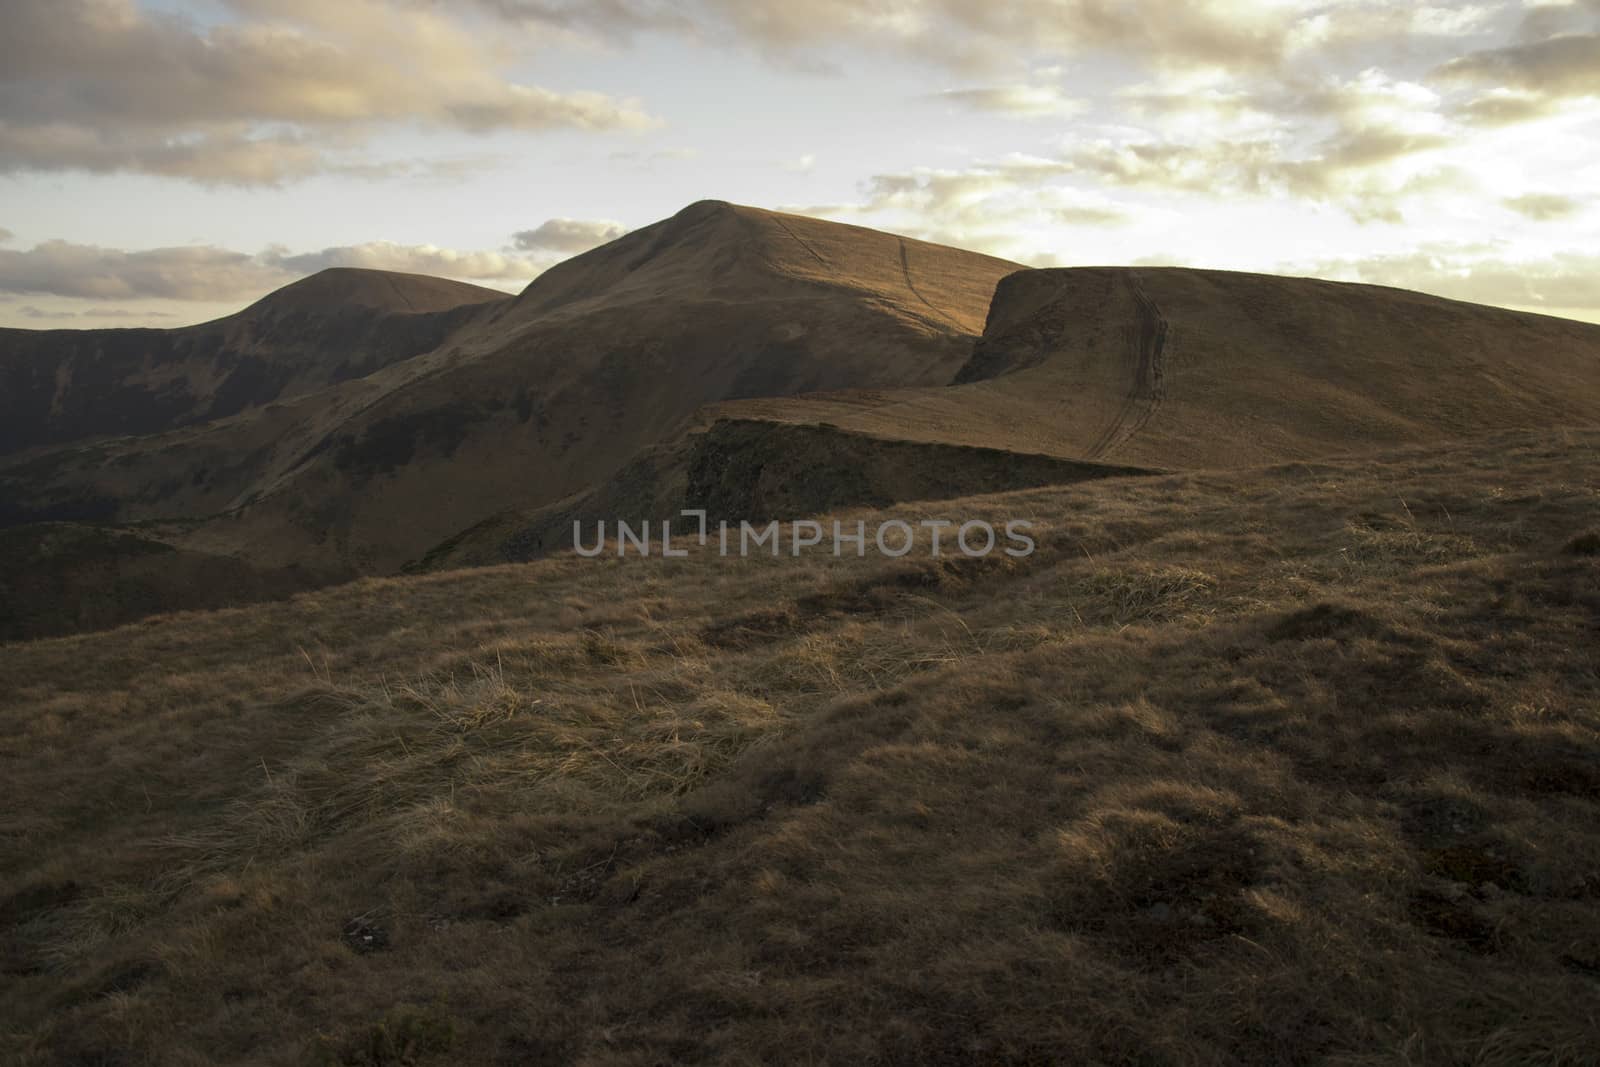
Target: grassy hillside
[
  {"x": 1180, "y": 368},
  {"x": 1288, "y": 765},
  {"x": 60, "y": 578}
]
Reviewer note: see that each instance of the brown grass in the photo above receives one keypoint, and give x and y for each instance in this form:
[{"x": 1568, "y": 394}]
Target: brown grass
[{"x": 1295, "y": 765}]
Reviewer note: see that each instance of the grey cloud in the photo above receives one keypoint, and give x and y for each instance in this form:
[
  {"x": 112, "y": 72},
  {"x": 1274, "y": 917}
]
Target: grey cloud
[
  {"x": 409, "y": 259},
  {"x": 1023, "y": 101},
  {"x": 208, "y": 273},
  {"x": 1231, "y": 34},
  {"x": 1502, "y": 107},
  {"x": 1562, "y": 66},
  {"x": 125, "y": 313},
  {"x": 290, "y": 90},
  {"x": 568, "y": 235},
  {"x": 5, "y": 235},
  {"x": 1543, "y": 207},
  {"x": 192, "y": 273}
]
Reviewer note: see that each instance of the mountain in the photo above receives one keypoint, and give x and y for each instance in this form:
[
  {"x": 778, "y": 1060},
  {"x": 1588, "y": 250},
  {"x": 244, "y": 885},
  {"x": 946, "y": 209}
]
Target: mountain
[
  {"x": 1109, "y": 371},
  {"x": 1181, "y": 368},
  {"x": 59, "y": 386},
  {"x": 756, "y": 364},
  {"x": 539, "y": 397}
]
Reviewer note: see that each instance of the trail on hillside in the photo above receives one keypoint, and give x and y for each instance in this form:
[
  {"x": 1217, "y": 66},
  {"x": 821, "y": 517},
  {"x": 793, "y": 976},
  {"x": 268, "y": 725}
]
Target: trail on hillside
[
  {"x": 905, "y": 268},
  {"x": 802, "y": 243},
  {"x": 1149, "y": 388}
]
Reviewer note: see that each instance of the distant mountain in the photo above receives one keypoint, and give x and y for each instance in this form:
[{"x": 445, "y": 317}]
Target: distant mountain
[{"x": 58, "y": 386}]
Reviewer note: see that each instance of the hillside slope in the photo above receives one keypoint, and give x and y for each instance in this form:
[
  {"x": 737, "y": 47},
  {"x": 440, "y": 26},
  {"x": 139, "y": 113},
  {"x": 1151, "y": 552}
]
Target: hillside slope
[
  {"x": 1284, "y": 765},
  {"x": 58, "y": 386},
  {"x": 1173, "y": 367}
]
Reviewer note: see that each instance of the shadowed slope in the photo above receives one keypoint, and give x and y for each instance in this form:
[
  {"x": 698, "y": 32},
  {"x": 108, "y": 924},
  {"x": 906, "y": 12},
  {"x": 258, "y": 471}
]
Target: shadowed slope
[{"x": 58, "y": 386}]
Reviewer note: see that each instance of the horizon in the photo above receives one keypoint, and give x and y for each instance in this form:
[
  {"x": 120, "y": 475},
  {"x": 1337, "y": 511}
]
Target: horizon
[{"x": 169, "y": 162}]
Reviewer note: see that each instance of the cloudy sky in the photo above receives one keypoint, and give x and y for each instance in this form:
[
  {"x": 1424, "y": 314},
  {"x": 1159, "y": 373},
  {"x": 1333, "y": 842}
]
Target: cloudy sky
[{"x": 168, "y": 161}]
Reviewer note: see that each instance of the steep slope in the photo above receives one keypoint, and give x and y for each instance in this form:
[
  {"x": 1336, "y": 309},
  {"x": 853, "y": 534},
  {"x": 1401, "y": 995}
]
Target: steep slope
[
  {"x": 544, "y": 396},
  {"x": 1191, "y": 368},
  {"x": 58, "y": 386},
  {"x": 758, "y": 470}
]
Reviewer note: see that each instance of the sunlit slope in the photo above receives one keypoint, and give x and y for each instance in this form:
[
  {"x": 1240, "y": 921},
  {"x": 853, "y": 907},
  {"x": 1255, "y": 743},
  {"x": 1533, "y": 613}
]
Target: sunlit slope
[{"x": 1188, "y": 368}]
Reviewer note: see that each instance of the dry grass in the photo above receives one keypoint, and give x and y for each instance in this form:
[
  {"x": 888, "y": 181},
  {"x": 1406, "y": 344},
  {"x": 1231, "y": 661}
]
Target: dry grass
[{"x": 1296, "y": 765}]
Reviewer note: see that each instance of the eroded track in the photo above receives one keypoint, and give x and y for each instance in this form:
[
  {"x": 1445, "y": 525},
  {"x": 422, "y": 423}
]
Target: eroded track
[{"x": 1148, "y": 339}]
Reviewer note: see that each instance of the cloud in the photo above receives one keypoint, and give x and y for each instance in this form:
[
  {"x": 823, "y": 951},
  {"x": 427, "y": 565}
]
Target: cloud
[
  {"x": 32, "y": 311},
  {"x": 5, "y": 235},
  {"x": 1567, "y": 281},
  {"x": 1563, "y": 66},
  {"x": 29, "y": 311},
  {"x": 1234, "y": 35},
  {"x": 991, "y": 207},
  {"x": 126, "y": 313},
  {"x": 1527, "y": 81},
  {"x": 284, "y": 90},
  {"x": 568, "y": 236},
  {"x": 1543, "y": 207},
  {"x": 409, "y": 259},
  {"x": 61, "y": 268},
  {"x": 1366, "y": 143},
  {"x": 211, "y": 274},
  {"x": 1018, "y": 101}
]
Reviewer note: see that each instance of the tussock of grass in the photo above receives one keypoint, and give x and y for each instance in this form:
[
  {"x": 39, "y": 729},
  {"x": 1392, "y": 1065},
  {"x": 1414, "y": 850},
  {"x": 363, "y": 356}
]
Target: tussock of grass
[{"x": 1287, "y": 766}]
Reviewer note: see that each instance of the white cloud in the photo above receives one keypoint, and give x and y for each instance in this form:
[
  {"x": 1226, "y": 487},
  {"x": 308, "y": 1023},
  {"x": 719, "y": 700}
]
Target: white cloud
[
  {"x": 1563, "y": 282},
  {"x": 568, "y": 235}
]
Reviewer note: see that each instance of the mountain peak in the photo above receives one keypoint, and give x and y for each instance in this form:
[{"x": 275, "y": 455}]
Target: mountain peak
[
  {"x": 342, "y": 288},
  {"x": 714, "y": 249}
]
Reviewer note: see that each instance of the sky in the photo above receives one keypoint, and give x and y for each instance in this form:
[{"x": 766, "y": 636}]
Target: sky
[{"x": 164, "y": 162}]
